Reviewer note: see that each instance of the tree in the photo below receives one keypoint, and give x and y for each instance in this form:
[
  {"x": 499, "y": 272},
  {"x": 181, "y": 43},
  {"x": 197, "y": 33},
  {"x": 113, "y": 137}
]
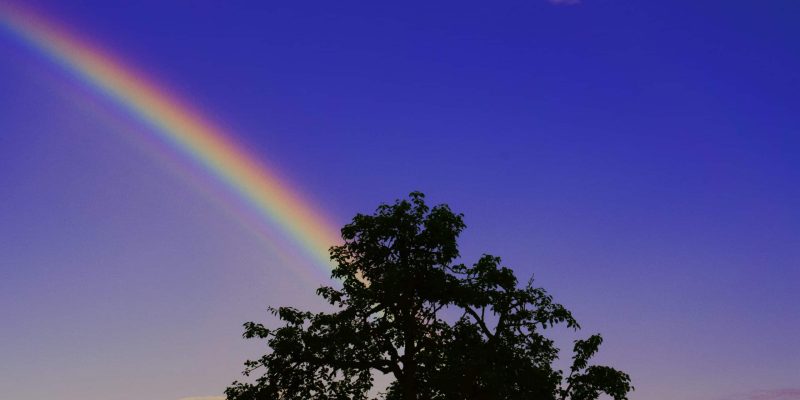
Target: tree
[{"x": 442, "y": 331}]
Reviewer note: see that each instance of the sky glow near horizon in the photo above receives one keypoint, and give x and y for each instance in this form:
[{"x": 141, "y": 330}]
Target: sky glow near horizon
[{"x": 639, "y": 159}]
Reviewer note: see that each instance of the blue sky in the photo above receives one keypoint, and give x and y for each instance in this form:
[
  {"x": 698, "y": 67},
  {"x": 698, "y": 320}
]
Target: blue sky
[{"x": 640, "y": 158}]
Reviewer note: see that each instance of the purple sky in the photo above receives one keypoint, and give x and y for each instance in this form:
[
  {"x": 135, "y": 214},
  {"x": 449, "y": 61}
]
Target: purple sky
[{"x": 642, "y": 159}]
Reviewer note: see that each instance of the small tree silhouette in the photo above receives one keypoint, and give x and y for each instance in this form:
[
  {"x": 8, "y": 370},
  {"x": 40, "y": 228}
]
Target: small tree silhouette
[{"x": 440, "y": 330}]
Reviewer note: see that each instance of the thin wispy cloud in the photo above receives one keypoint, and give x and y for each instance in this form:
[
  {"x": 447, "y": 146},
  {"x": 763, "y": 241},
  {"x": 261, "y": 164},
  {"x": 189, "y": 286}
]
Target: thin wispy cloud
[
  {"x": 564, "y": 2},
  {"x": 777, "y": 394}
]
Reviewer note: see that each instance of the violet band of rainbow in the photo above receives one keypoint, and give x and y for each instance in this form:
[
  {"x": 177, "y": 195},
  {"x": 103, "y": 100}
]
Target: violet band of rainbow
[{"x": 188, "y": 132}]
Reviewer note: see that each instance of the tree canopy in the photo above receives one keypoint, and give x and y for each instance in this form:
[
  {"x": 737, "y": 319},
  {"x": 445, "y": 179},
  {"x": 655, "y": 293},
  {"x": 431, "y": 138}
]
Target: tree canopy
[{"x": 440, "y": 330}]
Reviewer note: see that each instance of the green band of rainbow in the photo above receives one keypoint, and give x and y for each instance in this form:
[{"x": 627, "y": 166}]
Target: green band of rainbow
[{"x": 188, "y": 132}]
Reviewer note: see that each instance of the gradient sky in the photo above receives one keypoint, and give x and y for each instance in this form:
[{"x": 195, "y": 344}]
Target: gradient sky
[{"x": 642, "y": 159}]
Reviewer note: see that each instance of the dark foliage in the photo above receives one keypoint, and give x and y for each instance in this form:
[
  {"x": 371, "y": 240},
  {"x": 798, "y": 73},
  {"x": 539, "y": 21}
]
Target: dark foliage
[{"x": 441, "y": 330}]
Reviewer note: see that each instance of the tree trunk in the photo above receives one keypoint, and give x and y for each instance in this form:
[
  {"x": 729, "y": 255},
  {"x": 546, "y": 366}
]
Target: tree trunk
[{"x": 409, "y": 327}]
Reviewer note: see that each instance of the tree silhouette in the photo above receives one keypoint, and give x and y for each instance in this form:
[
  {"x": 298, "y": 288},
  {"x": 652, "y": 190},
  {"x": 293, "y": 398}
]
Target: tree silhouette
[{"x": 440, "y": 330}]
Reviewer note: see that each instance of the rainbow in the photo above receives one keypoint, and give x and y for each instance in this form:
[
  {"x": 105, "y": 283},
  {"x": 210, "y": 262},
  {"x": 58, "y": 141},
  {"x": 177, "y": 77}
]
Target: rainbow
[{"x": 184, "y": 130}]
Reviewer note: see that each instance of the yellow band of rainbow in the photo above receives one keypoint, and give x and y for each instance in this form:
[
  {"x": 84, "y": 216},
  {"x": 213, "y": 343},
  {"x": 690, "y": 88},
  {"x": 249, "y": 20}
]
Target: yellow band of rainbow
[{"x": 189, "y": 133}]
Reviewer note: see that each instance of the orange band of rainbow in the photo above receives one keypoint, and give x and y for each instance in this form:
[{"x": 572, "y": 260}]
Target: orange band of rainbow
[{"x": 188, "y": 132}]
